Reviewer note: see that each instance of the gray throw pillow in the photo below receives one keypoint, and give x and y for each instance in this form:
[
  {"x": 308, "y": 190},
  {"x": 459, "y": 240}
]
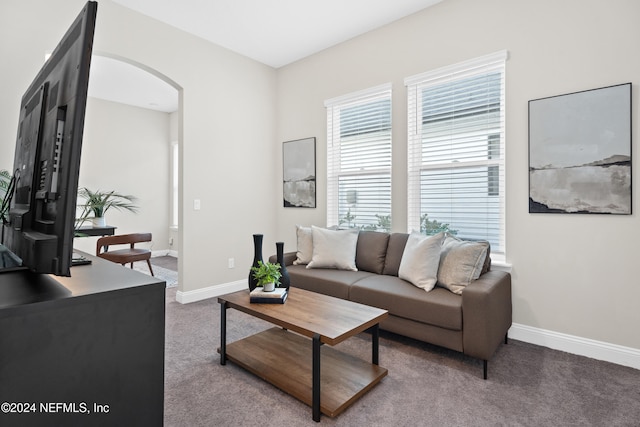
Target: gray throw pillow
[{"x": 461, "y": 263}]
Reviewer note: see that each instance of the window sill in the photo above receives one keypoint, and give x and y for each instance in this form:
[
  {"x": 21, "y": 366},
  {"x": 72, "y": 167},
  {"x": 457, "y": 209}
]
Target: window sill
[{"x": 498, "y": 262}]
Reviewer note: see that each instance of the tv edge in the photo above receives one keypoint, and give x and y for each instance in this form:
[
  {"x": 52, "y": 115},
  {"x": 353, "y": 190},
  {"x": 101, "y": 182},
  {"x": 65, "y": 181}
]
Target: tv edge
[{"x": 46, "y": 165}]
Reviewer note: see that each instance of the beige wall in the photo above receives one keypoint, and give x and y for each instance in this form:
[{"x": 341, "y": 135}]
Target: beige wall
[
  {"x": 126, "y": 149},
  {"x": 226, "y": 162},
  {"x": 223, "y": 158},
  {"x": 572, "y": 274}
]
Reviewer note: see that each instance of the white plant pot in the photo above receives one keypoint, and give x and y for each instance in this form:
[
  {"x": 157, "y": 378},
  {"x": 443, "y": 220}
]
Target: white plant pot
[
  {"x": 99, "y": 221},
  {"x": 269, "y": 287}
]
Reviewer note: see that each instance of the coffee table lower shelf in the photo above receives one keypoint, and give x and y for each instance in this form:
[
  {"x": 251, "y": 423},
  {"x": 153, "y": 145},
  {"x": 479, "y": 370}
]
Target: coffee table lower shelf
[{"x": 284, "y": 359}]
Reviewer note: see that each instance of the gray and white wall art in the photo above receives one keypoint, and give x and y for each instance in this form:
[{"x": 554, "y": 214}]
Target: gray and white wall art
[
  {"x": 299, "y": 173},
  {"x": 580, "y": 152}
]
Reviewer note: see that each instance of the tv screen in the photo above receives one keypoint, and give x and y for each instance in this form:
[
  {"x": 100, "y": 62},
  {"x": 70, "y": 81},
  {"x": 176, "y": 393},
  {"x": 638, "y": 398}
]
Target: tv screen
[{"x": 40, "y": 226}]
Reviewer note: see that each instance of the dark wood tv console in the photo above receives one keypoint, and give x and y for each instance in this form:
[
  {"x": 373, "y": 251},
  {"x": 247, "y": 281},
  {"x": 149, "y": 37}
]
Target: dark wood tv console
[{"x": 82, "y": 350}]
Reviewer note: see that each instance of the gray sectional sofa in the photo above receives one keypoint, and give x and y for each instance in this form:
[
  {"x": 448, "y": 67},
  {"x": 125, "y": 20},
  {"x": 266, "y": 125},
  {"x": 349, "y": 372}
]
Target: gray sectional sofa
[{"x": 474, "y": 322}]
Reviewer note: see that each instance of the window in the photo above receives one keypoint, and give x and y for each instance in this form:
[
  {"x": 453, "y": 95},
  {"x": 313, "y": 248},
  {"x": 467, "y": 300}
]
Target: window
[
  {"x": 174, "y": 184},
  {"x": 456, "y": 150},
  {"x": 359, "y": 160}
]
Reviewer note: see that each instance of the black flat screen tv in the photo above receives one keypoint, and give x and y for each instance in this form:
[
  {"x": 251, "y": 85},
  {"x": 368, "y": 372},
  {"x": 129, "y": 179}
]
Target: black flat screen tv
[{"x": 39, "y": 229}]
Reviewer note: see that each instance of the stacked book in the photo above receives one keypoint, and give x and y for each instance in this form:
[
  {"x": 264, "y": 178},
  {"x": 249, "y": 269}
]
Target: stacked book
[{"x": 277, "y": 296}]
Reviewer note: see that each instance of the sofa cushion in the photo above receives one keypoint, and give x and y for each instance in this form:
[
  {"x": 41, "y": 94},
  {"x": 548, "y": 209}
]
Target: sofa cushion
[
  {"x": 461, "y": 262},
  {"x": 304, "y": 245},
  {"x": 395, "y": 248},
  {"x": 371, "y": 251},
  {"x": 420, "y": 260},
  {"x": 438, "y": 307},
  {"x": 334, "y": 248},
  {"x": 331, "y": 282}
]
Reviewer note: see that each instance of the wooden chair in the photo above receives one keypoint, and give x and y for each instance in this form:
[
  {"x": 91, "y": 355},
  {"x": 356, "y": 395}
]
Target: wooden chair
[{"x": 124, "y": 256}]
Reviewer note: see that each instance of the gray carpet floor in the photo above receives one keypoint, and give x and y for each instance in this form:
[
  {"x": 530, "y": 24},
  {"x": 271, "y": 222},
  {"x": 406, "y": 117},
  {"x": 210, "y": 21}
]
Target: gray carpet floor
[
  {"x": 528, "y": 385},
  {"x": 168, "y": 262},
  {"x": 164, "y": 268}
]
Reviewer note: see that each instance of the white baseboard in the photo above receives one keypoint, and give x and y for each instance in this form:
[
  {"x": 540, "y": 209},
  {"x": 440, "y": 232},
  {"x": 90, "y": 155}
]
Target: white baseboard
[
  {"x": 599, "y": 350},
  {"x": 164, "y": 252},
  {"x": 210, "y": 292}
]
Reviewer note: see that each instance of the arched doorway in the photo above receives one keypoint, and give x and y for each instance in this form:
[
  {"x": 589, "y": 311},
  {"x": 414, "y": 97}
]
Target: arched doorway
[{"x": 134, "y": 128}]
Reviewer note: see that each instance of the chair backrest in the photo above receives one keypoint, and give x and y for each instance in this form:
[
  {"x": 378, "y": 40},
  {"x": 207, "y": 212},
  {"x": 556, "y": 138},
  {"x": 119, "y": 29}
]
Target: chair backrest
[{"x": 122, "y": 239}]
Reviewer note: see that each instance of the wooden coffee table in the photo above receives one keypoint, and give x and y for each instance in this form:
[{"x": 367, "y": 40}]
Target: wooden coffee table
[{"x": 284, "y": 356}]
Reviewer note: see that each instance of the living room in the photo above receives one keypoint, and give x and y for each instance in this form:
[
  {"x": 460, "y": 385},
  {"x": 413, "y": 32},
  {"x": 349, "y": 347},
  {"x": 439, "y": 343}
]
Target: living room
[{"x": 572, "y": 275}]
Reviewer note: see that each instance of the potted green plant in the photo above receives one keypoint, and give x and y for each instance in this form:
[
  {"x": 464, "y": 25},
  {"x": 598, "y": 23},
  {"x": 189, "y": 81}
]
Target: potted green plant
[
  {"x": 99, "y": 202},
  {"x": 267, "y": 274}
]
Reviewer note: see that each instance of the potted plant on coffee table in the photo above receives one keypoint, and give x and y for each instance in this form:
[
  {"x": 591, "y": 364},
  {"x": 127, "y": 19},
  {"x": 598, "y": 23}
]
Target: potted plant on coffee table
[
  {"x": 99, "y": 202},
  {"x": 267, "y": 274}
]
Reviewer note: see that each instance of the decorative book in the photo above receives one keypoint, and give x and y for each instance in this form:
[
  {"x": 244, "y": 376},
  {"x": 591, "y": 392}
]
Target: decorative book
[{"x": 277, "y": 296}]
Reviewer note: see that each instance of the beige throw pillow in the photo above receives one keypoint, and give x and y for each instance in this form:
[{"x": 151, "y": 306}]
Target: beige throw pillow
[
  {"x": 461, "y": 263},
  {"x": 420, "y": 259},
  {"x": 304, "y": 245},
  {"x": 334, "y": 248}
]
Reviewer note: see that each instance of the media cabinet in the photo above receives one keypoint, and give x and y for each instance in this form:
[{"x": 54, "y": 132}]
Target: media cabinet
[{"x": 82, "y": 350}]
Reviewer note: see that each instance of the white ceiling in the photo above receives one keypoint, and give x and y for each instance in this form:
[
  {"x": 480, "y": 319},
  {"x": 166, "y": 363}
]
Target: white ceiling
[
  {"x": 277, "y": 32},
  {"x": 274, "y": 32},
  {"x": 118, "y": 81}
]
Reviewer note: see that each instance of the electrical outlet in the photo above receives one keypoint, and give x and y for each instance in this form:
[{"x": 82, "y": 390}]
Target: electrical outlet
[
  {"x": 232, "y": 263},
  {"x": 196, "y": 204}
]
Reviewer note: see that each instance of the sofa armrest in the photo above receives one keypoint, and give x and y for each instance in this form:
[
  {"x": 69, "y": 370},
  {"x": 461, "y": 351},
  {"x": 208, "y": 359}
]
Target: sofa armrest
[
  {"x": 486, "y": 313},
  {"x": 289, "y": 257}
]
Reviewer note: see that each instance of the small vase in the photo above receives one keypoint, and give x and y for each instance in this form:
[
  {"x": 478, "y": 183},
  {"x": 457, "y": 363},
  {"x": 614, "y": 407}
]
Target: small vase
[
  {"x": 285, "y": 280},
  {"x": 269, "y": 287},
  {"x": 257, "y": 256},
  {"x": 99, "y": 221}
]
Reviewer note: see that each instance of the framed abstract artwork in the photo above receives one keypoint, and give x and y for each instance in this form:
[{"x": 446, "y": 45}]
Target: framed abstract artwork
[
  {"x": 299, "y": 173},
  {"x": 580, "y": 152}
]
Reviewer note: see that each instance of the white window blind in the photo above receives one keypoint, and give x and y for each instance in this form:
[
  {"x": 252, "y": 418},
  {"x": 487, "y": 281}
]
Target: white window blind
[
  {"x": 359, "y": 159},
  {"x": 456, "y": 150}
]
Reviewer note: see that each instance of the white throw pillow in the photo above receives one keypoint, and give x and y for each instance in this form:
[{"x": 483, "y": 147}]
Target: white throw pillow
[
  {"x": 304, "y": 245},
  {"x": 420, "y": 259},
  {"x": 334, "y": 248}
]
